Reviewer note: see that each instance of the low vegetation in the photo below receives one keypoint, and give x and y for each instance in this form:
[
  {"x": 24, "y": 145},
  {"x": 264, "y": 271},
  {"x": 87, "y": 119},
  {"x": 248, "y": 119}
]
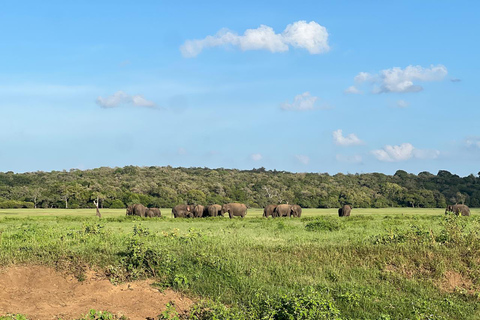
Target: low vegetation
[{"x": 382, "y": 264}]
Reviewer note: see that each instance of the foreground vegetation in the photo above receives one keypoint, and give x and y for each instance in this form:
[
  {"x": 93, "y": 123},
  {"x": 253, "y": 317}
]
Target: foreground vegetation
[
  {"x": 378, "y": 264},
  {"x": 167, "y": 187}
]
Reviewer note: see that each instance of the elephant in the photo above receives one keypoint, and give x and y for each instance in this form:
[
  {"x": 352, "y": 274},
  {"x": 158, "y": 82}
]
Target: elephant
[
  {"x": 153, "y": 212},
  {"x": 458, "y": 209},
  {"x": 234, "y": 209},
  {"x": 296, "y": 210},
  {"x": 214, "y": 210},
  {"x": 183, "y": 211},
  {"x": 269, "y": 211},
  {"x": 345, "y": 211},
  {"x": 136, "y": 210},
  {"x": 283, "y": 210},
  {"x": 198, "y": 211}
]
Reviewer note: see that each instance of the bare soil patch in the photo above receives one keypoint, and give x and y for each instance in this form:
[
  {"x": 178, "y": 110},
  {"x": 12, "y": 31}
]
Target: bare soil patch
[
  {"x": 43, "y": 293},
  {"x": 453, "y": 281}
]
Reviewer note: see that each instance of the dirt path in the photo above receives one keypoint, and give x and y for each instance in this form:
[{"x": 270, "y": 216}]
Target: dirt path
[{"x": 42, "y": 293}]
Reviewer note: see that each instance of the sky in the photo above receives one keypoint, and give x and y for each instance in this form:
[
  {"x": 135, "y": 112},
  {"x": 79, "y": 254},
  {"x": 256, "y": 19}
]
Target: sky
[{"x": 310, "y": 86}]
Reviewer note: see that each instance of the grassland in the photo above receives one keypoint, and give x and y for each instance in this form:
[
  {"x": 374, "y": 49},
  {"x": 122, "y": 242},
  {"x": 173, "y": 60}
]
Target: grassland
[{"x": 395, "y": 263}]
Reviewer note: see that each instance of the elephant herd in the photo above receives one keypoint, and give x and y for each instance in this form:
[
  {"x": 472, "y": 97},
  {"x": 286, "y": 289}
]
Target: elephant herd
[
  {"x": 214, "y": 210},
  {"x": 240, "y": 210},
  {"x": 282, "y": 210},
  {"x": 142, "y": 211}
]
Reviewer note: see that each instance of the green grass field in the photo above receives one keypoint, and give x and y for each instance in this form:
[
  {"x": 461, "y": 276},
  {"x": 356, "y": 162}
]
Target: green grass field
[{"x": 395, "y": 263}]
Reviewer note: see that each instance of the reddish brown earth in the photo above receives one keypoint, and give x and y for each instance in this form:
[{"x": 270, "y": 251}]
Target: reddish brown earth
[{"x": 43, "y": 293}]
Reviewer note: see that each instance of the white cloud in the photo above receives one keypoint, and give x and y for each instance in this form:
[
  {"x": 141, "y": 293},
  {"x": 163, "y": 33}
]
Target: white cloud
[
  {"x": 301, "y": 102},
  {"x": 402, "y": 80},
  {"x": 181, "y": 151},
  {"x": 351, "y": 159},
  {"x": 352, "y": 90},
  {"x": 349, "y": 140},
  {"x": 404, "y": 152},
  {"x": 120, "y": 98},
  {"x": 473, "y": 142},
  {"x": 402, "y": 104},
  {"x": 303, "y": 159},
  {"x": 256, "y": 157},
  {"x": 310, "y": 36}
]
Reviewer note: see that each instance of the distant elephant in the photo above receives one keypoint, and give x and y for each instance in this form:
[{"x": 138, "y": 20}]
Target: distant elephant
[
  {"x": 136, "y": 210},
  {"x": 458, "y": 209},
  {"x": 234, "y": 209},
  {"x": 283, "y": 210},
  {"x": 198, "y": 211},
  {"x": 214, "y": 210},
  {"x": 153, "y": 212},
  {"x": 183, "y": 211},
  {"x": 345, "y": 211},
  {"x": 296, "y": 210},
  {"x": 269, "y": 211}
]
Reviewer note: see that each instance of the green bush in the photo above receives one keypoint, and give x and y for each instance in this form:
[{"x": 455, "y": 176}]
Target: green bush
[{"x": 324, "y": 224}]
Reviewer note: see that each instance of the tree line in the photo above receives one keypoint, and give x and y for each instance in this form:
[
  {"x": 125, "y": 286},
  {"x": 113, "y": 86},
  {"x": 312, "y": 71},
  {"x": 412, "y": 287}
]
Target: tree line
[{"x": 166, "y": 187}]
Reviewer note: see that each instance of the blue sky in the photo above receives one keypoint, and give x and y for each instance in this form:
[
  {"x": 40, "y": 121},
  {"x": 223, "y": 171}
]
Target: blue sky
[{"x": 316, "y": 86}]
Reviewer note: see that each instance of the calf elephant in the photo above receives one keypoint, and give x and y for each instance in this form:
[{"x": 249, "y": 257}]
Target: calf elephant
[
  {"x": 136, "y": 210},
  {"x": 183, "y": 211},
  {"x": 345, "y": 211},
  {"x": 234, "y": 209},
  {"x": 214, "y": 210},
  {"x": 269, "y": 211},
  {"x": 283, "y": 210},
  {"x": 458, "y": 209},
  {"x": 153, "y": 212},
  {"x": 296, "y": 210}
]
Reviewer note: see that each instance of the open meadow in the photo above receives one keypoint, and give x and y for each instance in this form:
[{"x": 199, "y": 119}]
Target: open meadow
[{"x": 395, "y": 263}]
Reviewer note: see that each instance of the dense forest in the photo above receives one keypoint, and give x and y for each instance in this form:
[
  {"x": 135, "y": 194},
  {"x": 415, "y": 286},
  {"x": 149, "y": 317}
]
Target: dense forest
[{"x": 167, "y": 186}]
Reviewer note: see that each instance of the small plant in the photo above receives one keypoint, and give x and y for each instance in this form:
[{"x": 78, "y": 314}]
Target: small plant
[
  {"x": 13, "y": 317},
  {"x": 170, "y": 312},
  {"x": 93, "y": 228},
  {"x": 101, "y": 315}
]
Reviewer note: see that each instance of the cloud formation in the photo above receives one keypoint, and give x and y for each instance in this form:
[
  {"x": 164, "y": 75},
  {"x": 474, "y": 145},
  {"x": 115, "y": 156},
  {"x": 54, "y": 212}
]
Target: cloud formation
[
  {"x": 121, "y": 98},
  {"x": 256, "y": 157},
  {"x": 310, "y": 36},
  {"x": 349, "y": 140},
  {"x": 301, "y": 102},
  {"x": 402, "y": 104},
  {"x": 303, "y": 159},
  {"x": 352, "y": 90},
  {"x": 404, "y": 152},
  {"x": 402, "y": 80},
  {"x": 473, "y": 142}
]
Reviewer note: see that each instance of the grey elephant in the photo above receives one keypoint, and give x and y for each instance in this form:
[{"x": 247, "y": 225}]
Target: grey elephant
[
  {"x": 214, "y": 210},
  {"x": 283, "y": 210},
  {"x": 183, "y": 211},
  {"x": 345, "y": 211},
  {"x": 234, "y": 209},
  {"x": 136, "y": 210},
  {"x": 153, "y": 213},
  {"x": 269, "y": 211},
  {"x": 198, "y": 211},
  {"x": 296, "y": 210},
  {"x": 457, "y": 209}
]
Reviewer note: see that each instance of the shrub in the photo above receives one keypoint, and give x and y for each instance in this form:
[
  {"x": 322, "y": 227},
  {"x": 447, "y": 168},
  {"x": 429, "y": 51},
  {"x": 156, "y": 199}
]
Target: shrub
[{"x": 324, "y": 224}]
